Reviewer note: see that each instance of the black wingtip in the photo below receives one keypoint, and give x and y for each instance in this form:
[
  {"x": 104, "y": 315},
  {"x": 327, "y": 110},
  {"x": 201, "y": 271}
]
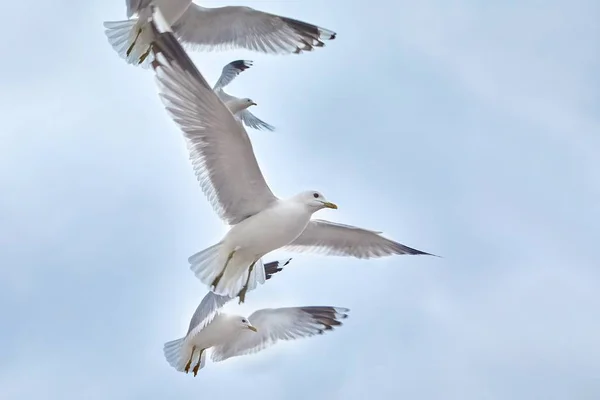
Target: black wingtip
[{"x": 241, "y": 65}]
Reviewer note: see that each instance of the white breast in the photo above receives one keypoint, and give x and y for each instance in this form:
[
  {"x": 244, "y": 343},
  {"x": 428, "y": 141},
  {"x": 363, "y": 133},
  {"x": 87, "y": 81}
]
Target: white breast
[
  {"x": 270, "y": 229},
  {"x": 220, "y": 330}
]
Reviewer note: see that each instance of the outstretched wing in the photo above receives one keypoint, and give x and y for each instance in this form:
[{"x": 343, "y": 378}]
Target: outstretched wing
[
  {"x": 220, "y": 149},
  {"x": 230, "y": 72},
  {"x": 251, "y": 121},
  {"x": 274, "y": 324},
  {"x": 244, "y": 27},
  {"x": 345, "y": 240}
]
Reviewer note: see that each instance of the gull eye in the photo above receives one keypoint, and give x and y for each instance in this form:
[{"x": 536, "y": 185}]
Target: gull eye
[
  {"x": 244, "y": 321},
  {"x": 316, "y": 195}
]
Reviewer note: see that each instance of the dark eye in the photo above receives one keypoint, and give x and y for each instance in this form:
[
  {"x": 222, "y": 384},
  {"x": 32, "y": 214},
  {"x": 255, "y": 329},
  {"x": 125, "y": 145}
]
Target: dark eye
[
  {"x": 244, "y": 321},
  {"x": 316, "y": 195}
]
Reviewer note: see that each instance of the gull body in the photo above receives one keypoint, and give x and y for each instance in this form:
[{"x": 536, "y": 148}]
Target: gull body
[
  {"x": 229, "y": 175},
  {"x": 246, "y": 242},
  {"x": 237, "y": 106},
  {"x": 212, "y": 28},
  {"x": 271, "y": 228}
]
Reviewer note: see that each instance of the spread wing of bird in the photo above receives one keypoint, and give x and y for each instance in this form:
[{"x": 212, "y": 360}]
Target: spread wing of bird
[
  {"x": 230, "y": 72},
  {"x": 274, "y": 324},
  {"x": 219, "y": 146},
  {"x": 252, "y": 121},
  {"x": 334, "y": 239},
  {"x": 244, "y": 27}
]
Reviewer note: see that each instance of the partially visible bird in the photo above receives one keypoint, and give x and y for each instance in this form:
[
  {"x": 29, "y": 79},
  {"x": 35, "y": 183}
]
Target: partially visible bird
[
  {"x": 213, "y": 28},
  {"x": 230, "y": 72}
]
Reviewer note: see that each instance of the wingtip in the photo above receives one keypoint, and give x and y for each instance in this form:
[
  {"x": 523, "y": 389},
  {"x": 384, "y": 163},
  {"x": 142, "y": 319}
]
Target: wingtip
[
  {"x": 326, "y": 34},
  {"x": 241, "y": 65}
]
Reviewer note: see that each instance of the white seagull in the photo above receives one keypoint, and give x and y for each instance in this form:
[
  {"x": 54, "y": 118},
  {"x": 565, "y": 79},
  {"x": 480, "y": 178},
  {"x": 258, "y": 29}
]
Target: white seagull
[
  {"x": 230, "y": 72},
  {"x": 213, "y": 28},
  {"x": 234, "y": 335},
  {"x": 225, "y": 165}
]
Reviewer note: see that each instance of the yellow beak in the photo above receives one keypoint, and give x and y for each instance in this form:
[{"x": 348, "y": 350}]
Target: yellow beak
[
  {"x": 329, "y": 205},
  {"x": 252, "y": 328}
]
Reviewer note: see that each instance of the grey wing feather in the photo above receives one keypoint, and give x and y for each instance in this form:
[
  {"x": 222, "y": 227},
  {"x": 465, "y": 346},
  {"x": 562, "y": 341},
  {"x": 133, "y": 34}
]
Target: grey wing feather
[
  {"x": 345, "y": 240},
  {"x": 274, "y": 267},
  {"x": 244, "y": 27},
  {"x": 251, "y": 121},
  {"x": 274, "y": 324},
  {"x": 230, "y": 72},
  {"x": 206, "y": 311},
  {"x": 220, "y": 149}
]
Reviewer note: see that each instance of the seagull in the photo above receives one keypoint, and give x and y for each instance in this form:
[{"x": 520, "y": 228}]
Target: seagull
[
  {"x": 234, "y": 335},
  {"x": 213, "y": 28},
  {"x": 230, "y": 72},
  {"x": 226, "y": 168}
]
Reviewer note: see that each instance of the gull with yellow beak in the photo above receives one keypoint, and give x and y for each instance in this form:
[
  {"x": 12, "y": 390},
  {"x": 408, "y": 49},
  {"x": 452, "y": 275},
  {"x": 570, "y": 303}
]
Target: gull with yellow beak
[
  {"x": 229, "y": 335},
  {"x": 234, "y": 335},
  {"x": 229, "y": 175}
]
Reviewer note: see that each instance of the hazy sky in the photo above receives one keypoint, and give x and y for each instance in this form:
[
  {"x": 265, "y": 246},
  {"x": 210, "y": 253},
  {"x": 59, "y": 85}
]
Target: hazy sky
[{"x": 468, "y": 129}]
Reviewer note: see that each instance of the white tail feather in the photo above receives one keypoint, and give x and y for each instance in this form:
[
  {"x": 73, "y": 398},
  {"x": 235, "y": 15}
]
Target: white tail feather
[
  {"x": 121, "y": 35},
  {"x": 178, "y": 354},
  {"x": 208, "y": 264},
  {"x": 172, "y": 351}
]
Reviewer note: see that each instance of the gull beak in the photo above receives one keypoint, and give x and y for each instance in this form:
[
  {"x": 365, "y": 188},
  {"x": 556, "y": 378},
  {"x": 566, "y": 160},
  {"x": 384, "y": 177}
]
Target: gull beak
[
  {"x": 327, "y": 204},
  {"x": 252, "y": 328},
  {"x": 253, "y": 104}
]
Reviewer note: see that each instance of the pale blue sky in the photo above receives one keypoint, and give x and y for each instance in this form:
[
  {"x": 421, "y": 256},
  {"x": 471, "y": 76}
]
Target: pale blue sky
[{"x": 468, "y": 129}]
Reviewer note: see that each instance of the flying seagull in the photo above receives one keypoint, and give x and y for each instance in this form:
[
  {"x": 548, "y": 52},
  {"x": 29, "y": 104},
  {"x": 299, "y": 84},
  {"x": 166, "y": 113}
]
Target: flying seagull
[
  {"x": 229, "y": 175},
  {"x": 213, "y": 28},
  {"x": 230, "y": 72},
  {"x": 227, "y": 334},
  {"x": 234, "y": 335}
]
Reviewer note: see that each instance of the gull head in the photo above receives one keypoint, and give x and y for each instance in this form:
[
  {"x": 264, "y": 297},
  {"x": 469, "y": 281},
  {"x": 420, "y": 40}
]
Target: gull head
[
  {"x": 243, "y": 323},
  {"x": 315, "y": 200},
  {"x": 237, "y": 105}
]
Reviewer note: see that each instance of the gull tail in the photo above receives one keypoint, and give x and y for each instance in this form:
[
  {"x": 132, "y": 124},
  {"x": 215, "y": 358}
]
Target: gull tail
[
  {"x": 122, "y": 34},
  {"x": 209, "y": 263},
  {"x": 205, "y": 264},
  {"x": 178, "y": 354},
  {"x": 172, "y": 352}
]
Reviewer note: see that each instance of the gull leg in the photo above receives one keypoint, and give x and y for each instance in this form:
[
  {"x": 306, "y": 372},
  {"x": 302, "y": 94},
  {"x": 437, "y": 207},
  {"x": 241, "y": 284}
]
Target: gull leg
[
  {"x": 130, "y": 48},
  {"x": 218, "y": 278},
  {"x": 145, "y": 55},
  {"x": 197, "y": 367},
  {"x": 189, "y": 363},
  {"x": 242, "y": 294}
]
